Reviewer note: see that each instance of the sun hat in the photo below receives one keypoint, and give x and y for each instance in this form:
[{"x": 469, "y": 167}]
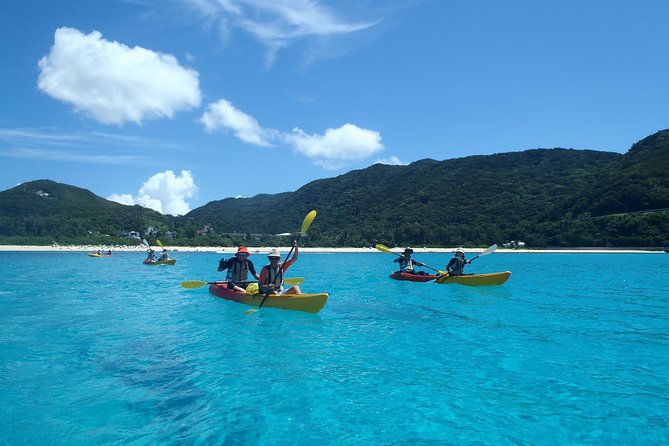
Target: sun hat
[
  {"x": 274, "y": 253},
  {"x": 243, "y": 250},
  {"x": 408, "y": 250},
  {"x": 460, "y": 250}
]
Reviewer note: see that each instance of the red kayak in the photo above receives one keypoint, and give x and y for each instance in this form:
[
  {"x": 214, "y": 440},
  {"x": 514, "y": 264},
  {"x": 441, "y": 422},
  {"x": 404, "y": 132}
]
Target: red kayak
[{"x": 412, "y": 277}]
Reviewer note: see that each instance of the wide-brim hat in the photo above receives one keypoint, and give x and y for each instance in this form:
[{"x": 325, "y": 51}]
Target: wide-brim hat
[
  {"x": 408, "y": 250},
  {"x": 243, "y": 250},
  {"x": 274, "y": 253}
]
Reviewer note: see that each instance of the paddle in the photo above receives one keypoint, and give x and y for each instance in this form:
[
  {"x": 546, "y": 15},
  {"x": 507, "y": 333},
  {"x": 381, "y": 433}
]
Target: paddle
[
  {"x": 305, "y": 225},
  {"x": 200, "y": 283},
  {"x": 384, "y": 248},
  {"x": 488, "y": 250}
]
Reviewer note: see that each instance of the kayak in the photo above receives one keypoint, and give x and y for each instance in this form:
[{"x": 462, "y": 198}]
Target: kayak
[
  {"x": 93, "y": 254},
  {"x": 310, "y": 303},
  {"x": 397, "y": 275},
  {"x": 160, "y": 262},
  {"x": 476, "y": 279}
]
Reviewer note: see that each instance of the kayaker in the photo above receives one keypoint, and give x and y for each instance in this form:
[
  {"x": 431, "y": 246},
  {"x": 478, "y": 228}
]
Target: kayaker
[
  {"x": 238, "y": 268},
  {"x": 407, "y": 263},
  {"x": 164, "y": 255},
  {"x": 271, "y": 276},
  {"x": 151, "y": 254},
  {"x": 456, "y": 266}
]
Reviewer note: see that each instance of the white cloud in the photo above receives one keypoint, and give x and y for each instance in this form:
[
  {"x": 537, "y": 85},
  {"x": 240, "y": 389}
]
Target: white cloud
[
  {"x": 393, "y": 161},
  {"x": 126, "y": 199},
  {"x": 332, "y": 150},
  {"x": 337, "y": 146},
  {"x": 223, "y": 115},
  {"x": 164, "y": 192},
  {"x": 113, "y": 83},
  {"x": 277, "y": 23}
]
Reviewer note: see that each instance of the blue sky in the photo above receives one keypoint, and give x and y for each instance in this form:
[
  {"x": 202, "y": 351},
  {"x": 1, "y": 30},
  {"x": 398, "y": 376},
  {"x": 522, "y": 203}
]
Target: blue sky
[{"x": 176, "y": 103}]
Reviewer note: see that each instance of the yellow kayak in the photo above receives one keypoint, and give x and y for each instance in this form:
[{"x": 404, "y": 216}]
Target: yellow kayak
[
  {"x": 310, "y": 303},
  {"x": 476, "y": 279},
  {"x": 92, "y": 254}
]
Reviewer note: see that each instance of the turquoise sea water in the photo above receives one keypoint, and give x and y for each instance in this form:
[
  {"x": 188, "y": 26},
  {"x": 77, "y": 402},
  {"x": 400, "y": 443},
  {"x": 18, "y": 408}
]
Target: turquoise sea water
[{"x": 573, "y": 349}]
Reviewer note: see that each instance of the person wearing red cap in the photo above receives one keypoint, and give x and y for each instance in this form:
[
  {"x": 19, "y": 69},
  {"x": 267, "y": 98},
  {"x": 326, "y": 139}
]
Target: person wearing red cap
[{"x": 238, "y": 268}]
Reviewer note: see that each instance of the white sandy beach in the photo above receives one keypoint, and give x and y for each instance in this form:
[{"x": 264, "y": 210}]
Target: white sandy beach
[{"x": 265, "y": 250}]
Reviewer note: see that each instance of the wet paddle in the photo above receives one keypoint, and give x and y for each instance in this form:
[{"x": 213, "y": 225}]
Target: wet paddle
[
  {"x": 305, "y": 225},
  {"x": 384, "y": 248},
  {"x": 201, "y": 283}
]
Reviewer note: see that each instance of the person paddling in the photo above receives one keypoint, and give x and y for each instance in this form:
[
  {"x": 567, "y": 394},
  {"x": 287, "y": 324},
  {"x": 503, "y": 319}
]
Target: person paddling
[
  {"x": 271, "y": 275},
  {"x": 456, "y": 266},
  {"x": 164, "y": 255},
  {"x": 407, "y": 263},
  {"x": 238, "y": 268}
]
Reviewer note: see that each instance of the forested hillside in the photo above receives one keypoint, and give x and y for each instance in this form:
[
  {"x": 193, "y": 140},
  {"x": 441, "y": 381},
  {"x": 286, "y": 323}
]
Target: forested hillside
[{"x": 545, "y": 197}]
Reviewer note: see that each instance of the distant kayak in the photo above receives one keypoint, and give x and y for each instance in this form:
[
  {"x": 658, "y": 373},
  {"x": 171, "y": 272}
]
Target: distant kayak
[
  {"x": 310, "y": 303},
  {"x": 93, "y": 254},
  {"x": 476, "y": 279},
  {"x": 397, "y": 275},
  {"x": 160, "y": 262}
]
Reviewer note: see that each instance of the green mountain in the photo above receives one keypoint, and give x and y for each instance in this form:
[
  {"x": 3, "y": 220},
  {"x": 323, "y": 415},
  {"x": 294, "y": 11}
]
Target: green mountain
[
  {"x": 44, "y": 211},
  {"x": 545, "y": 197}
]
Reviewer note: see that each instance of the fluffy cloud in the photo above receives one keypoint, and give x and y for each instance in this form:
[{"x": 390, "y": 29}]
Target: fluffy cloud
[
  {"x": 337, "y": 146},
  {"x": 113, "y": 83},
  {"x": 164, "y": 192},
  {"x": 223, "y": 115},
  {"x": 392, "y": 161}
]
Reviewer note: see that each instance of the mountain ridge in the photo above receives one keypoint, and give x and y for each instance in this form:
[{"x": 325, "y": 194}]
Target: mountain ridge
[{"x": 546, "y": 197}]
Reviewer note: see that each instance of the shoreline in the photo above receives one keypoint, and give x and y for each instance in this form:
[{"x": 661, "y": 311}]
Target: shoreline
[{"x": 264, "y": 250}]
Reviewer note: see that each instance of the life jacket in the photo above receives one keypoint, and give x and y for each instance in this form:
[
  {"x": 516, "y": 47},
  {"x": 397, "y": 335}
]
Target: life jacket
[
  {"x": 456, "y": 266},
  {"x": 274, "y": 277},
  {"x": 238, "y": 272},
  {"x": 406, "y": 265}
]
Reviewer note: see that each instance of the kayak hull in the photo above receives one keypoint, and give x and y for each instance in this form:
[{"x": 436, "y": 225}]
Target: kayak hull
[
  {"x": 309, "y": 303},
  {"x": 160, "y": 262},
  {"x": 92, "y": 254},
  {"x": 489, "y": 279},
  {"x": 397, "y": 275}
]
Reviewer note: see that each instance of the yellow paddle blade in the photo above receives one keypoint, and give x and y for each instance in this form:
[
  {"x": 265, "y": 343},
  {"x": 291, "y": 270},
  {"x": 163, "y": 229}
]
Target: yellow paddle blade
[
  {"x": 193, "y": 284},
  {"x": 307, "y": 222},
  {"x": 294, "y": 281},
  {"x": 384, "y": 248},
  {"x": 159, "y": 243},
  {"x": 251, "y": 311}
]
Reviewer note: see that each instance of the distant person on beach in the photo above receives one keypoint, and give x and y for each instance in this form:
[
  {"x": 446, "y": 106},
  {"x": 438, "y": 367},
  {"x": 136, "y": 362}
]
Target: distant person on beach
[
  {"x": 238, "y": 268},
  {"x": 457, "y": 264},
  {"x": 271, "y": 275},
  {"x": 407, "y": 263}
]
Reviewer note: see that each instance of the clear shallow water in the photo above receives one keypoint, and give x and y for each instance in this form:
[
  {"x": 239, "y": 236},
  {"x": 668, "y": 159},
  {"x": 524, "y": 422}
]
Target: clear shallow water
[{"x": 571, "y": 350}]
